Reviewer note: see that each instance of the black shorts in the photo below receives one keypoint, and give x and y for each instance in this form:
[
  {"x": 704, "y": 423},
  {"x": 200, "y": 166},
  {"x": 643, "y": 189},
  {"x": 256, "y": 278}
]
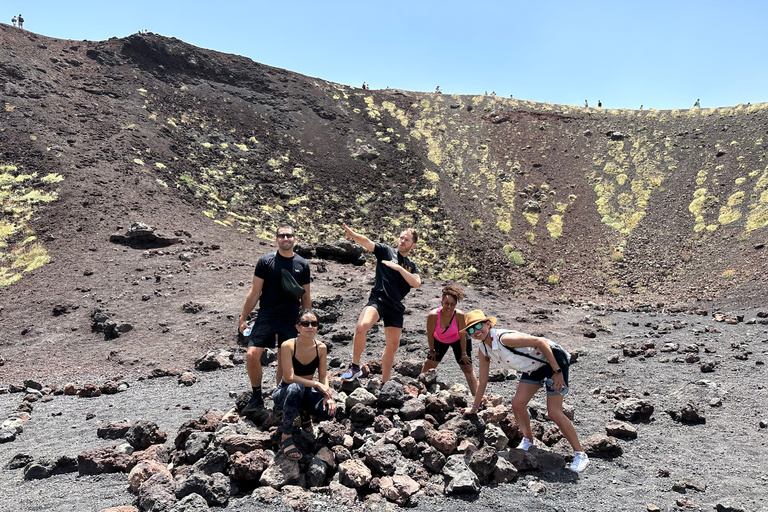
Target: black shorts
[
  {"x": 267, "y": 332},
  {"x": 390, "y": 316},
  {"x": 441, "y": 349}
]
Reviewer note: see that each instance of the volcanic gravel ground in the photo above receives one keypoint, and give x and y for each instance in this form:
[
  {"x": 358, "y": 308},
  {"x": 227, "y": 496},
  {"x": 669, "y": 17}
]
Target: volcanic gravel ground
[{"x": 726, "y": 453}]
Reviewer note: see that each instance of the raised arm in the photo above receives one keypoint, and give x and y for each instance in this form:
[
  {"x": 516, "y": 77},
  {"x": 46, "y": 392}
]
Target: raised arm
[{"x": 360, "y": 239}]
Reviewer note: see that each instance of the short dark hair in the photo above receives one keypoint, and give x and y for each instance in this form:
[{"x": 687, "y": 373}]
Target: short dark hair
[
  {"x": 305, "y": 312},
  {"x": 414, "y": 234},
  {"x": 285, "y": 226},
  {"x": 454, "y": 291}
]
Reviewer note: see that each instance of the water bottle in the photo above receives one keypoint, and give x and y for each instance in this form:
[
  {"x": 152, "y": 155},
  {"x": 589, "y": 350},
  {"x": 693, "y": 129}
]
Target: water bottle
[
  {"x": 247, "y": 330},
  {"x": 549, "y": 382}
]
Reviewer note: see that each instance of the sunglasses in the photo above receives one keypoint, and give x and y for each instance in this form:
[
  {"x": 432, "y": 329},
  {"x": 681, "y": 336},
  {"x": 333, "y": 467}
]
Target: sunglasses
[
  {"x": 305, "y": 323},
  {"x": 475, "y": 328},
  {"x": 285, "y": 235}
]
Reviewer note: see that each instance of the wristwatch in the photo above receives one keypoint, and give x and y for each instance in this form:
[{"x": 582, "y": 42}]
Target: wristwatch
[{"x": 559, "y": 370}]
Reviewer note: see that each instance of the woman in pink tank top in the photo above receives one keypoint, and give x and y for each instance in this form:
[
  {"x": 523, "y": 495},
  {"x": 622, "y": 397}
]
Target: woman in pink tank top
[{"x": 443, "y": 326}]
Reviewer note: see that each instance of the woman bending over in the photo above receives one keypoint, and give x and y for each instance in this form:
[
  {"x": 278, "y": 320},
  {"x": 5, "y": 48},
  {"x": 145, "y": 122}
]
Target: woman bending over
[
  {"x": 443, "y": 326},
  {"x": 542, "y": 362}
]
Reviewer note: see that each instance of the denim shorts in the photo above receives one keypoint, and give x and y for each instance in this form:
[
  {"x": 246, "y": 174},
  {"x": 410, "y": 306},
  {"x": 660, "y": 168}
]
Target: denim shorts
[{"x": 545, "y": 372}]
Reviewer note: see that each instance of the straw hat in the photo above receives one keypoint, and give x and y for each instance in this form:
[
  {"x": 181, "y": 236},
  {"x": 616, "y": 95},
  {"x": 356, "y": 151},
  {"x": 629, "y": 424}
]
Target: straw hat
[{"x": 474, "y": 317}]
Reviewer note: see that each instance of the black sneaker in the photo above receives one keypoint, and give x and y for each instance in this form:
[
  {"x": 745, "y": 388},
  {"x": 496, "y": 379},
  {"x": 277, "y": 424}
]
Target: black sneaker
[{"x": 255, "y": 404}]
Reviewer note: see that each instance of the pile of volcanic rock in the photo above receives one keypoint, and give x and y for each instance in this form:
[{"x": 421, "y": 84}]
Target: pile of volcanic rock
[{"x": 398, "y": 441}]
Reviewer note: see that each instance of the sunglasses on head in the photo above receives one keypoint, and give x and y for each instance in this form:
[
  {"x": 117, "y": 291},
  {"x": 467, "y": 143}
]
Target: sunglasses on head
[
  {"x": 306, "y": 323},
  {"x": 285, "y": 235},
  {"x": 475, "y": 328}
]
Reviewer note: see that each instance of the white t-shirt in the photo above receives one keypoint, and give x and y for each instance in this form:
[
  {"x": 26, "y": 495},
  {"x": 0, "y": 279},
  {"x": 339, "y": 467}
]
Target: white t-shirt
[{"x": 503, "y": 357}]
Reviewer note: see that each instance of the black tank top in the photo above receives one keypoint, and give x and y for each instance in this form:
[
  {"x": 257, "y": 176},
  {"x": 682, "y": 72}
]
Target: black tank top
[{"x": 305, "y": 369}]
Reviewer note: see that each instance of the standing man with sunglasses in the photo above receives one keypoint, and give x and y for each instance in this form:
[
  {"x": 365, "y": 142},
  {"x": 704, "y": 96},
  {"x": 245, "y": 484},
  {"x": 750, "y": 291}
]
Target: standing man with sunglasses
[
  {"x": 396, "y": 274},
  {"x": 277, "y": 308}
]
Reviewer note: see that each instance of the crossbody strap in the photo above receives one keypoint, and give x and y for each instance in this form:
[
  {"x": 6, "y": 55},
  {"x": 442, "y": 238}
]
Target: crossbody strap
[{"x": 449, "y": 323}]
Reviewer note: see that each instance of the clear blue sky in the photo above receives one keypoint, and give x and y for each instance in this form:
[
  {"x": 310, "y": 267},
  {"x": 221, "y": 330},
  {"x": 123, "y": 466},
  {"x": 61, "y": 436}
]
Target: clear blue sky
[{"x": 661, "y": 54}]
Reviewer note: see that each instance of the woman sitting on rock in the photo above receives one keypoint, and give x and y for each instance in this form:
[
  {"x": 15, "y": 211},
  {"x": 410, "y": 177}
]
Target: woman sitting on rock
[
  {"x": 443, "y": 326},
  {"x": 542, "y": 362},
  {"x": 298, "y": 392}
]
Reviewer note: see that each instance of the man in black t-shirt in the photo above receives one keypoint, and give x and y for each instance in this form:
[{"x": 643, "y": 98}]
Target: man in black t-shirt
[
  {"x": 277, "y": 310},
  {"x": 396, "y": 274}
]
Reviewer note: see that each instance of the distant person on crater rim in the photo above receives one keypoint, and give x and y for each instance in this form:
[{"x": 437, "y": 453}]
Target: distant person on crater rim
[
  {"x": 279, "y": 301},
  {"x": 698, "y": 103},
  {"x": 542, "y": 361},
  {"x": 20, "y": 20},
  {"x": 396, "y": 274},
  {"x": 13, "y": 20},
  {"x": 443, "y": 326}
]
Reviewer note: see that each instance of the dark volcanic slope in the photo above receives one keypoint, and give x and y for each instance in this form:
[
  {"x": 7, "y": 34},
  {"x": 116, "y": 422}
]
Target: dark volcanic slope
[
  {"x": 575, "y": 202},
  {"x": 538, "y": 200}
]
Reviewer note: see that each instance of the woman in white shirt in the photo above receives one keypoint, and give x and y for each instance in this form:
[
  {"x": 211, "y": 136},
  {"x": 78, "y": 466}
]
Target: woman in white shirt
[{"x": 542, "y": 362}]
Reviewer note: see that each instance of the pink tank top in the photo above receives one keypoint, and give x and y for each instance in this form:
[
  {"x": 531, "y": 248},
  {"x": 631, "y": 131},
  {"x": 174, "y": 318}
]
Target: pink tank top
[{"x": 446, "y": 335}]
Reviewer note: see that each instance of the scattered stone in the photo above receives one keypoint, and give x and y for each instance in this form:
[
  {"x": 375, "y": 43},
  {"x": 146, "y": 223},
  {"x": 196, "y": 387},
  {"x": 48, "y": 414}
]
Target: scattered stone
[
  {"x": 689, "y": 483},
  {"x": 89, "y": 390},
  {"x": 721, "y": 507},
  {"x": 187, "y": 379},
  {"x": 690, "y": 414},
  {"x": 142, "y": 236},
  {"x": 192, "y": 308},
  {"x": 634, "y": 409},
  {"x": 621, "y": 430},
  {"x": 601, "y": 446},
  {"x": 398, "y": 488},
  {"x": 215, "y": 360}
]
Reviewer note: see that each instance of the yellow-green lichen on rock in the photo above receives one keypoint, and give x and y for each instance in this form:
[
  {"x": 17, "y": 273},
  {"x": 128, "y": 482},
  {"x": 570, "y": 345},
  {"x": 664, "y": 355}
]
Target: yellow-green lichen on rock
[
  {"x": 23, "y": 197},
  {"x": 555, "y": 226},
  {"x": 639, "y": 168}
]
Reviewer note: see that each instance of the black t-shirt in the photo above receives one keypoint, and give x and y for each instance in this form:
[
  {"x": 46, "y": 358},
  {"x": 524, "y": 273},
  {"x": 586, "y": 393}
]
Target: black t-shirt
[
  {"x": 274, "y": 301},
  {"x": 390, "y": 285}
]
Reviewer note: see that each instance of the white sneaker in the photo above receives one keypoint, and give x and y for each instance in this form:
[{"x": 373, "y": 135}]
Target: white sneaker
[
  {"x": 580, "y": 462},
  {"x": 525, "y": 444}
]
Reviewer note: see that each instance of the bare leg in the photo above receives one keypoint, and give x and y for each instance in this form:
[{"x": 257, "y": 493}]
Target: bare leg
[
  {"x": 556, "y": 414},
  {"x": 428, "y": 365},
  {"x": 253, "y": 365},
  {"x": 469, "y": 373},
  {"x": 392, "y": 335},
  {"x": 523, "y": 395},
  {"x": 368, "y": 317}
]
